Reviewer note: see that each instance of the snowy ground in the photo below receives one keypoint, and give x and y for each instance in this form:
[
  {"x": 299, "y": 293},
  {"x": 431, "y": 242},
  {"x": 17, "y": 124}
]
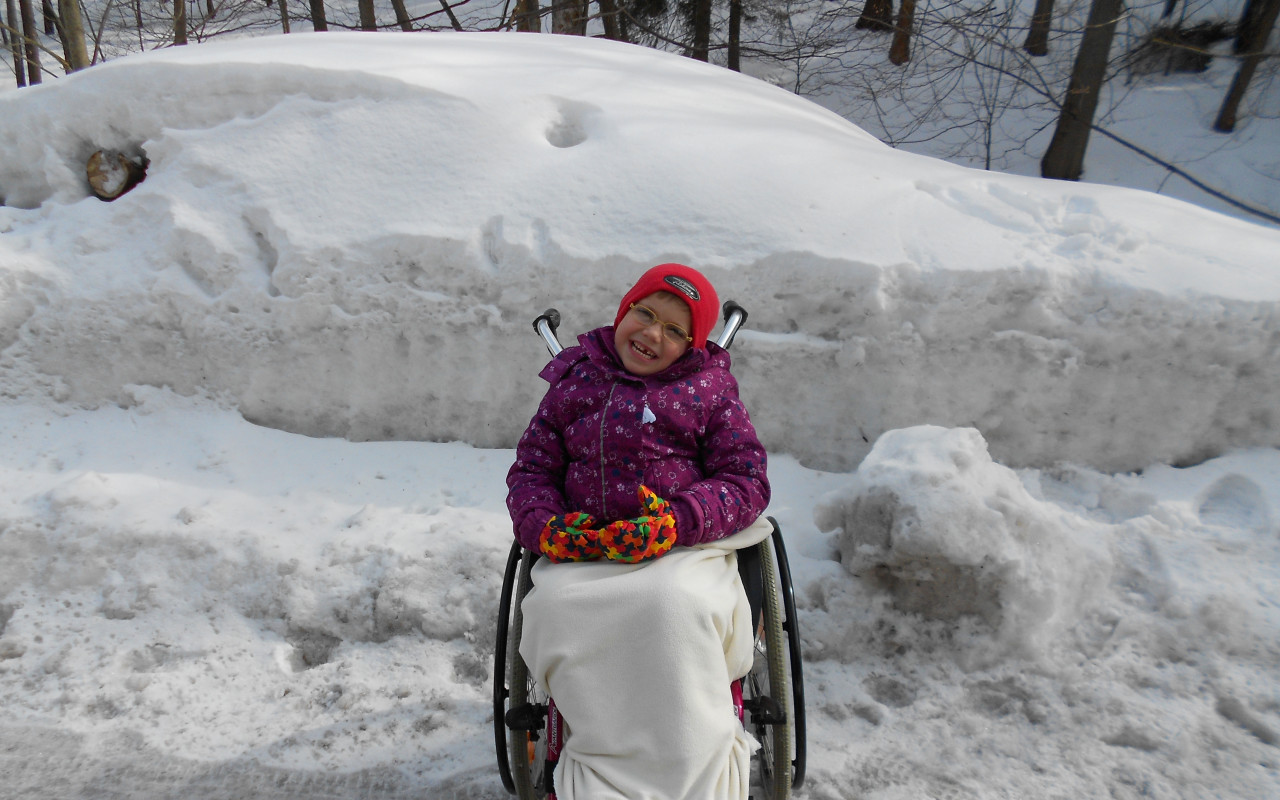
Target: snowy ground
[{"x": 255, "y": 415}]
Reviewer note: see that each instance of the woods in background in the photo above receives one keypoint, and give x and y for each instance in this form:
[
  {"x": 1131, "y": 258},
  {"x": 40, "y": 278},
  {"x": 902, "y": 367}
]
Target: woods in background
[{"x": 949, "y": 72}]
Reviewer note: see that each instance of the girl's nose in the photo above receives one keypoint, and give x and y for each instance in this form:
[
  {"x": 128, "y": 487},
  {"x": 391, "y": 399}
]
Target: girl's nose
[{"x": 653, "y": 331}]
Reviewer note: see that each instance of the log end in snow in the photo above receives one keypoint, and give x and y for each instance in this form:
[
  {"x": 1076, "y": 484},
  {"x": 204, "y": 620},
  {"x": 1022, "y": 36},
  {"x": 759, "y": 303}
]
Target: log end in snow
[{"x": 112, "y": 173}]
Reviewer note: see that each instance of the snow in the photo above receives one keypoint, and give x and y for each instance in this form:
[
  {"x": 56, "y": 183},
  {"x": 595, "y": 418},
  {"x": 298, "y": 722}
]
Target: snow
[{"x": 256, "y": 419}]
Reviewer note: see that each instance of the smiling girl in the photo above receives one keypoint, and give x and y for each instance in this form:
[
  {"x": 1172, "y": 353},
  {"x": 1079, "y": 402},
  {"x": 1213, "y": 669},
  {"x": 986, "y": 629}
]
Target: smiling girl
[
  {"x": 641, "y": 417},
  {"x": 632, "y": 478}
]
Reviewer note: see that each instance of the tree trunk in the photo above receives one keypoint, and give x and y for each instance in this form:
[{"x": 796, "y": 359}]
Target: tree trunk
[
  {"x": 877, "y": 15},
  {"x": 700, "y": 48},
  {"x": 609, "y": 17},
  {"x": 528, "y": 16},
  {"x": 318, "y": 21},
  {"x": 32, "y": 35},
  {"x": 368, "y": 20},
  {"x": 179, "y": 22},
  {"x": 73, "y": 35},
  {"x": 1037, "y": 43},
  {"x": 1247, "y": 27},
  {"x": 15, "y": 42},
  {"x": 1065, "y": 157},
  {"x": 448, "y": 10},
  {"x": 1250, "y": 58},
  {"x": 900, "y": 50},
  {"x": 735, "y": 35},
  {"x": 50, "y": 18},
  {"x": 569, "y": 16},
  {"x": 402, "y": 15}
]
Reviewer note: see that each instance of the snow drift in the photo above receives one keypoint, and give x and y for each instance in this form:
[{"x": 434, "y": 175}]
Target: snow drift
[
  {"x": 949, "y": 534},
  {"x": 329, "y": 222}
]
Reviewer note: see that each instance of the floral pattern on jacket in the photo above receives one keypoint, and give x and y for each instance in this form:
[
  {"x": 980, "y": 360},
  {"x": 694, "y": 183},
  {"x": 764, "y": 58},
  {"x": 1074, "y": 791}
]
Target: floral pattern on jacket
[{"x": 600, "y": 432}]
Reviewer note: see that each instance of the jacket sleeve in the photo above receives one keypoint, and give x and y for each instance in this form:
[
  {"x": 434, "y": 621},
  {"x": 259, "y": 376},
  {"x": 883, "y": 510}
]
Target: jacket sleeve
[
  {"x": 535, "y": 482},
  {"x": 736, "y": 490}
]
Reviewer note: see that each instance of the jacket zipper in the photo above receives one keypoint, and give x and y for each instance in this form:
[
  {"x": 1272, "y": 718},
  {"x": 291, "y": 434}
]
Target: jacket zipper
[{"x": 604, "y": 420}]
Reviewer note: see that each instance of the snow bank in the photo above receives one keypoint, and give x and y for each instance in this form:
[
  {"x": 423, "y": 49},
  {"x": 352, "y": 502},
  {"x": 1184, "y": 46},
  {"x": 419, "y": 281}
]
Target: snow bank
[
  {"x": 223, "y": 591},
  {"x": 196, "y": 606},
  {"x": 348, "y": 237},
  {"x": 1043, "y": 633}
]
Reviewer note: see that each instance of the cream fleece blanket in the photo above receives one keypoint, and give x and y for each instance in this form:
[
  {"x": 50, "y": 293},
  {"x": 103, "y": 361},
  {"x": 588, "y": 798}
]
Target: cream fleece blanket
[{"x": 639, "y": 658}]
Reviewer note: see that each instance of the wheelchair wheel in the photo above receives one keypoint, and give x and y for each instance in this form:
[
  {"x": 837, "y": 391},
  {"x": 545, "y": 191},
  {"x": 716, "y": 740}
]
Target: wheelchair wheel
[
  {"x": 791, "y": 624},
  {"x": 766, "y": 693},
  {"x": 521, "y": 752},
  {"x": 774, "y": 689},
  {"x": 527, "y": 749}
]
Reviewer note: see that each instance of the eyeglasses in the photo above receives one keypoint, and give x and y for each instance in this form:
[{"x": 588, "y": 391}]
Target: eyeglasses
[{"x": 645, "y": 316}]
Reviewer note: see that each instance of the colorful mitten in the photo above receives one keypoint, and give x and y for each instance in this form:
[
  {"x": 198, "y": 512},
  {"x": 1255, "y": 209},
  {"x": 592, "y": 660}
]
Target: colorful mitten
[
  {"x": 642, "y": 538},
  {"x": 572, "y": 537}
]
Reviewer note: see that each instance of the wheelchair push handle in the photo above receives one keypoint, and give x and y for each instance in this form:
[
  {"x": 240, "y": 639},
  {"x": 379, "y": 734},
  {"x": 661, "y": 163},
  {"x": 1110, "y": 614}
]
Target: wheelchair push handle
[
  {"x": 547, "y": 325},
  {"x": 734, "y": 316}
]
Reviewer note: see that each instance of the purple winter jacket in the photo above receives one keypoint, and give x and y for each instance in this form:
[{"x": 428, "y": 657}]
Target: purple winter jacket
[{"x": 591, "y": 444}]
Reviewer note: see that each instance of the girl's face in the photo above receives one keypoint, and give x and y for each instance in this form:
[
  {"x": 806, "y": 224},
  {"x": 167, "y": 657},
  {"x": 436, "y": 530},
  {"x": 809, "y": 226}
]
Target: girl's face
[{"x": 648, "y": 346}]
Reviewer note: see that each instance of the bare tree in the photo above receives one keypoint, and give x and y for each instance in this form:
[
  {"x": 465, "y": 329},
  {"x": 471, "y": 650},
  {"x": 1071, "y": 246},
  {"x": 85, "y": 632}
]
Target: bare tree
[
  {"x": 318, "y": 21},
  {"x": 1065, "y": 157},
  {"x": 368, "y": 20},
  {"x": 700, "y": 46},
  {"x": 527, "y": 16},
  {"x": 900, "y": 49},
  {"x": 877, "y": 15},
  {"x": 570, "y": 16},
  {"x": 735, "y": 35},
  {"x": 32, "y": 39},
  {"x": 402, "y": 16},
  {"x": 13, "y": 31},
  {"x": 179, "y": 22},
  {"x": 1245, "y": 29},
  {"x": 1254, "y": 42},
  {"x": 72, "y": 29},
  {"x": 453, "y": 18},
  {"x": 609, "y": 17},
  {"x": 1037, "y": 43}
]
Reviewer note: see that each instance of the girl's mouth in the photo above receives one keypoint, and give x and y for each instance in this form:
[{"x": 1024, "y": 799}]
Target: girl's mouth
[{"x": 644, "y": 352}]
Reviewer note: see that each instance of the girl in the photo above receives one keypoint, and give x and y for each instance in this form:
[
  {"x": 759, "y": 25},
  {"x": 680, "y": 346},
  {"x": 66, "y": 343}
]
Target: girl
[{"x": 641, "y": 445}]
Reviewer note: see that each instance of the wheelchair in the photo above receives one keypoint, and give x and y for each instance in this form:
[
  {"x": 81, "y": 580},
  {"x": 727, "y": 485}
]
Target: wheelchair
[{"x": 769, "y": 700}]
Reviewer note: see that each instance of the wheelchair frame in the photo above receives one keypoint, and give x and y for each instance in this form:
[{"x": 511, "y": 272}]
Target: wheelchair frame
[{"x": 772, "y": 692}]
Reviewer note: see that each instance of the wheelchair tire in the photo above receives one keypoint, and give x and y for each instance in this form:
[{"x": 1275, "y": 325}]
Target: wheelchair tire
[
  {"x": 526, "y": 751},
  {"x": 500, "y": 644},
  {"x": 791, "y": 624},
  {"x": 768, "y": 679}
]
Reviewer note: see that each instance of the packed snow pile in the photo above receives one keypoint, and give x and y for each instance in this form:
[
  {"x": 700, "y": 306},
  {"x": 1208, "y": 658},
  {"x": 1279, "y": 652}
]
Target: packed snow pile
[
  {"x": 949, "y": 533},
  {"x": 330, "y": 221},
  {"x": 196, "y": 606}
]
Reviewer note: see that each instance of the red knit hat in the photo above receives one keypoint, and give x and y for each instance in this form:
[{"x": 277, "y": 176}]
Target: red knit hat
[{"x": 686, "y": 283}]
